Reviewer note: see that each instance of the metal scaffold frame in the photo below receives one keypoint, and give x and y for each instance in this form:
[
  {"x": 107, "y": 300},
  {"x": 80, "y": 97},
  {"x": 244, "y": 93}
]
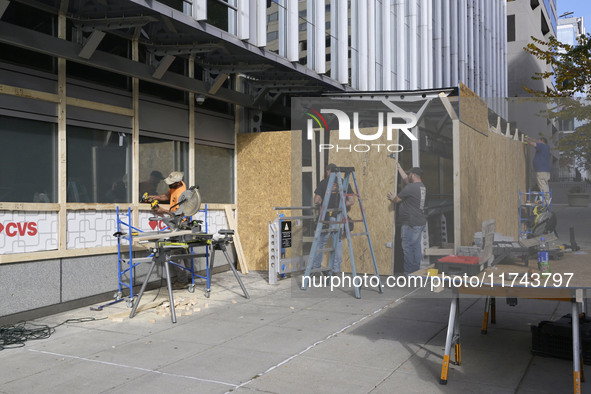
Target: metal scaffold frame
[{"x": 125, "y": 266}]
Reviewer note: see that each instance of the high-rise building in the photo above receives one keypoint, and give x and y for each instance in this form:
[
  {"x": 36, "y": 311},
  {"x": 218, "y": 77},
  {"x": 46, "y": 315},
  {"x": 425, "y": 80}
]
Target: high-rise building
[
  {"x": 526, "y": 19},
  {"x": 569, "y": 29}
]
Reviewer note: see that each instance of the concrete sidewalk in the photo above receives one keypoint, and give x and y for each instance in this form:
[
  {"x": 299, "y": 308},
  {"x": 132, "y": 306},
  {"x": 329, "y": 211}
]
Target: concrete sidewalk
[{"x": 283, "y": 340}]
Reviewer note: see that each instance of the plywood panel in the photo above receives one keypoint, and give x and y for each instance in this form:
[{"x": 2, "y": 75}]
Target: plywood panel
[
  {"x": 376, "y": 176},
  {"x": 264, "y": 181},
  {"x": 473, "y": 111},
  {"x": 492, "y": 173}
]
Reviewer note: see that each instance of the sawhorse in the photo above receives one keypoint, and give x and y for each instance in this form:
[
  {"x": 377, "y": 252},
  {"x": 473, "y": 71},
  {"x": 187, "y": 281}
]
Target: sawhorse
[
  {"x": 558, "y": 294},
  {"x": 220, "y": 244},
  {"x": 162, "y": 255}
]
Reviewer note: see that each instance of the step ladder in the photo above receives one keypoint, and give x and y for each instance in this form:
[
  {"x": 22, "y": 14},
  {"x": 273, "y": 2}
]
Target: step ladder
[{"x": 336, "y": 227}]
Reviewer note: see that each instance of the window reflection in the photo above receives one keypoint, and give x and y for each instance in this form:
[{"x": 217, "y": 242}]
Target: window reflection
[
  {"x": 214, "y": 173},
  {"x": 28, "y": 164},
  {"x": 162, "y": 156},
  {"x": 99, "y": 166}
]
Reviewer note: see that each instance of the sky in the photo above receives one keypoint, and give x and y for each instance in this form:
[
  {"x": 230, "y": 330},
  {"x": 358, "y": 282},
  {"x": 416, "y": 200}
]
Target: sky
[{"x": 579, "y": 7}]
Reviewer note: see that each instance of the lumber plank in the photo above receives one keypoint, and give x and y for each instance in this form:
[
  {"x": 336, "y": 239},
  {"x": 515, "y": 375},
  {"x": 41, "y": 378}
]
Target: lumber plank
[{"x": 237, "y": 244}]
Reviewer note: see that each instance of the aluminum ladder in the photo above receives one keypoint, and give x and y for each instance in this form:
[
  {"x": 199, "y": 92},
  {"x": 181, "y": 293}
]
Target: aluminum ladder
[{"x": 342, "y": 222}]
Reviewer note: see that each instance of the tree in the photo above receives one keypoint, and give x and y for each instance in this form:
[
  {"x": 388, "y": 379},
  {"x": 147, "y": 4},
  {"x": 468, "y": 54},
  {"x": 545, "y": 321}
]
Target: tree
[{"x": 569, "y": 97}]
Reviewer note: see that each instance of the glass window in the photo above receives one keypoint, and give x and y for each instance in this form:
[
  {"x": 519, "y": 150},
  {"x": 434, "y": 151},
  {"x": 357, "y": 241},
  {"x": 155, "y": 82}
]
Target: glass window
[
  {"x": 303, "y": 28},
  {"x": 28, "y": 161},
  {"x": 99, "y": 166},
  {"x": 214, "y": 174},
  {"x": 34, "y": 19},
  {"x": 160, "y": 157},
  {"x": 510, "y": 28},
  {"x": 276, "y": 16},
  {"x": 176, "y": 4},
  {"x": 222, "y": 14}
]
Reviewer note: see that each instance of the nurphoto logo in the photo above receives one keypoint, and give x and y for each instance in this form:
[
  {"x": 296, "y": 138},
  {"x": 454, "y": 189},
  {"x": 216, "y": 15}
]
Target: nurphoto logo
[{"x": 392, "y": 123}]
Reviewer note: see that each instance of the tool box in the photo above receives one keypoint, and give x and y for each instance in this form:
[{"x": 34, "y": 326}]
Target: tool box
[
  {"x": 555, "y": 338},
  {"x": 460, "y": 265}
]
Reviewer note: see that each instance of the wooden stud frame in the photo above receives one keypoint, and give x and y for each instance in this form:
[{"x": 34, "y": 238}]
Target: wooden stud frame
[{"x": 62, "y": 207}]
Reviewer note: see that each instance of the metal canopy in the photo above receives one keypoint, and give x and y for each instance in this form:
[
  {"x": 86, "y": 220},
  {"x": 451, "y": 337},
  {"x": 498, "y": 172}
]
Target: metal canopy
[{"x": 166, "y": 32}]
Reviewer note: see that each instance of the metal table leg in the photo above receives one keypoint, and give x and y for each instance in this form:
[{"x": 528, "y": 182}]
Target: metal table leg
[
  {"x": 158, "y": 258},
  {"x": 224, "y": 249},
  {"x": 170, "y": 297},
  {"x": 487, "y": 305},
  {"x": 576, "y": 347},
  {"x": 139, "y": 296},
  {"x": 453, "y": 336}
]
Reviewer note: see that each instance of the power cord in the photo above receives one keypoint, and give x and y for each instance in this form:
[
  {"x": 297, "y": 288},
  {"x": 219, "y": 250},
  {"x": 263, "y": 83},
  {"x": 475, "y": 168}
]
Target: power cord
[{"x": 14, "y": 336}]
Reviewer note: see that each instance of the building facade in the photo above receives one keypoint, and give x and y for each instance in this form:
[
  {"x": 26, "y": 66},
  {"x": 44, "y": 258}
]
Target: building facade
[
  {"x": 526, "y": 19},
  {"x": 96, "y": 96},
  {"x": 569, "y": 30}
]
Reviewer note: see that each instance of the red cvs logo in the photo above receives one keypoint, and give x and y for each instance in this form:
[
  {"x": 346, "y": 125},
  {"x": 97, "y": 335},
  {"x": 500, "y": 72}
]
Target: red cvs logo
[
  {"x": 12, "y": 229},
  {"x": 157, "y": 223}
]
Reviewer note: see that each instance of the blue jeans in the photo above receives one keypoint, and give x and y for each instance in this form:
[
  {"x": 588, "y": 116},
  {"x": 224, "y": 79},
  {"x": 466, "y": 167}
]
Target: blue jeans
[
  {"x": 411, "y": 246},
  {"x": 338, "y": 259}
]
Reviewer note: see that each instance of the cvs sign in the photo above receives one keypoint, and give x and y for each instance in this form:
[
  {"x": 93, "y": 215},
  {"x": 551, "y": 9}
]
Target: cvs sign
[{"x": 12, "y": 229}]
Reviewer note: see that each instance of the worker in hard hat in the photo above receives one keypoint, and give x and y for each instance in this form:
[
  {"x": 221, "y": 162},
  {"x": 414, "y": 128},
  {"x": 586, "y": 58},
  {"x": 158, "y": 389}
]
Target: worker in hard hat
[{"x": 176, "y": 187}]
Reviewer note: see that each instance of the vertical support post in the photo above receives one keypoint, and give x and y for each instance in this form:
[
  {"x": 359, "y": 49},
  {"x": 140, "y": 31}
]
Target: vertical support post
[
  {"x": 135, "y": 132},
  {"x": 393, "y": 207},
  {"x": 415, "y": 147},
  {"x": 192, "y": 169},
  {"x": 61, "y": 140},
  {"x": 456, "y": 184}
]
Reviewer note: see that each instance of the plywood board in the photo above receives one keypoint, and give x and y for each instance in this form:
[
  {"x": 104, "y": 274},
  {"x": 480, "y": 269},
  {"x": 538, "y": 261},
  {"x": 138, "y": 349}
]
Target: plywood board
[
  {"x": 264, "y": 181},
  {"x": 473, "y": 110},
  {"x": 376, "y": 176},
  {"x": 492, "y": 173},
  {"x": 242, "y": 263}
]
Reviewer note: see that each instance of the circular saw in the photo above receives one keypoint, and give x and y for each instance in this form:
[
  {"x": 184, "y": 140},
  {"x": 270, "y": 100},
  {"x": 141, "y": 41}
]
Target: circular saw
[{"x": 189, "y": 202}]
